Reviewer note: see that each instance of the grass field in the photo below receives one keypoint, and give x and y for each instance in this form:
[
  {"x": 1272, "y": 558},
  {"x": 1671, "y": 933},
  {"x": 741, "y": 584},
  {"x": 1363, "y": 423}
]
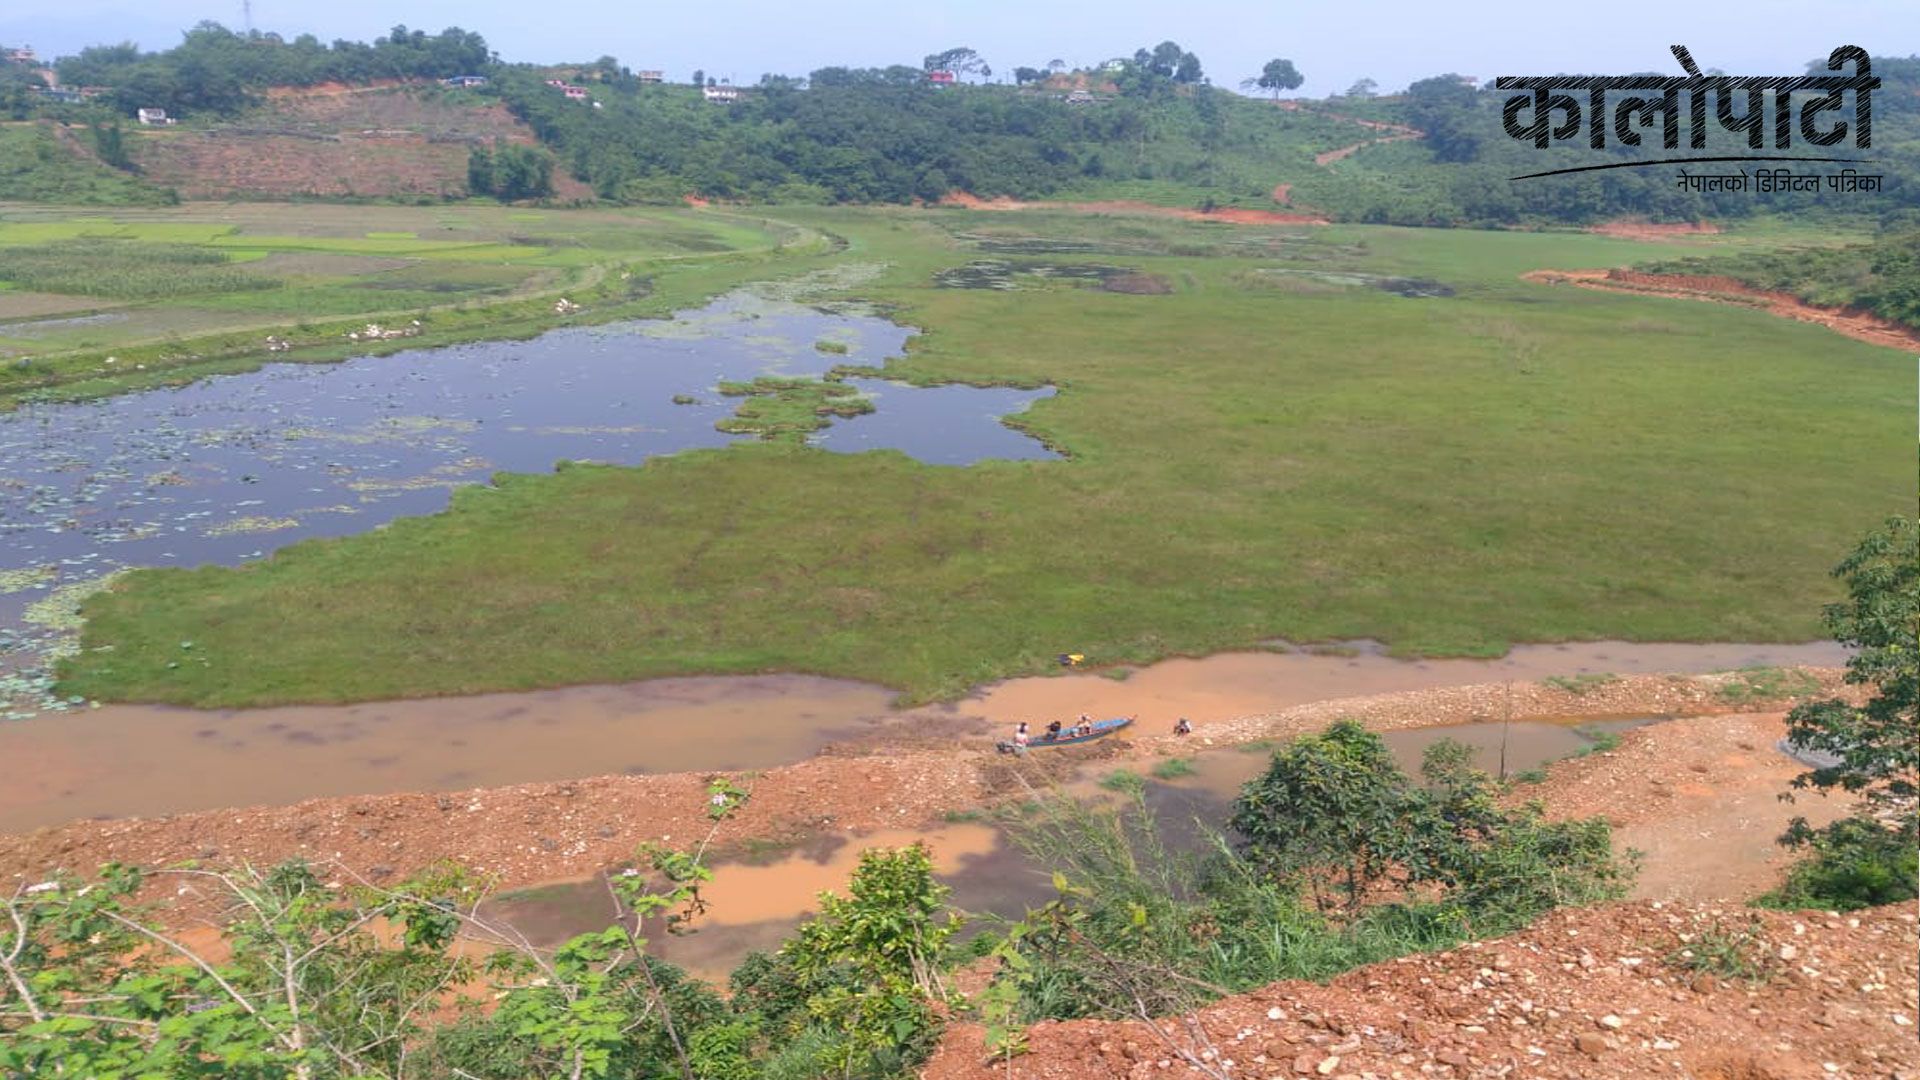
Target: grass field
[
  {"x": 1253, "y": 454},
  {"x": 199, "y": 288}
]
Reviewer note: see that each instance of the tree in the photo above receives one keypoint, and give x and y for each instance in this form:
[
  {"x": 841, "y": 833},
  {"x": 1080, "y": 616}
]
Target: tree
[
  {"x": 1024, "y": 75},
  {"x": 960, "y": 61},
  {"x": 1871, "y": 750},
  {"x": 111, "y": 145},
  {"x": 1329, "y": 804},
  {"x": 1279, "y": 75},
  {"x": 1336, "y": 807},
  {"x": 699, "y": 77},
  {"x": 1874, "y": 749},
  {"x": 1443, "y": 109},
  {"x": 1362, "y": 88},
  {"x": 1187, "y": 71}
]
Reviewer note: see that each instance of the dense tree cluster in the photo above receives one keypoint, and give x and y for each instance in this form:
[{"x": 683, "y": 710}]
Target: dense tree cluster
[
  {"x": 509, "y": 171},
  {"x": 214, "y": 69},
  {"x": 855, "y": 135}
]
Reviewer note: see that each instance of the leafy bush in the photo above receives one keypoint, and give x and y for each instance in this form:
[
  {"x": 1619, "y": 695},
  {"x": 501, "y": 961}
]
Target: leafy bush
[{"x": 1856, "y": 862}]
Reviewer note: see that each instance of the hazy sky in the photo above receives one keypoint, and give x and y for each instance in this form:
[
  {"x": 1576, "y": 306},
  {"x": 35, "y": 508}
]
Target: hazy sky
[{"x": 1391, "y": 41}]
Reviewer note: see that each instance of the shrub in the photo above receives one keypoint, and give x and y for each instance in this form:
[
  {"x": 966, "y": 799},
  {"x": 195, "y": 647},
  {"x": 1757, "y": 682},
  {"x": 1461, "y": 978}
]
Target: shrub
[
  {"x": 1173, "y": 768},
  {"x": 1856, "y": 862},
  {"x": 1739, "y": 952}
]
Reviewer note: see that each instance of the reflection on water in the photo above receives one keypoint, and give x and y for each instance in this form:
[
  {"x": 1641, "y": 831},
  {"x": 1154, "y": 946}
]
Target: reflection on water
[{"x": 227, "y": 469}]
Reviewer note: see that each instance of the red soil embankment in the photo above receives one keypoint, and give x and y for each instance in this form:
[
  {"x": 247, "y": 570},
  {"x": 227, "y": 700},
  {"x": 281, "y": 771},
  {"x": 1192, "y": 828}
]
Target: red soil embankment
[
  {"x": 1859, "y": 325},
  {"x": 382, "y": 139},
  {"x": 1585, "y": 992}
]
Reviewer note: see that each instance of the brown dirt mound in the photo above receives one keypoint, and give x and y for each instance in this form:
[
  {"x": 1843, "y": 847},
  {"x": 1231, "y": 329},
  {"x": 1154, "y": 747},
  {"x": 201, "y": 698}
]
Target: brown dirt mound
[
  {"x": 1593, "y": 992},
  {"x": 1859, "y": 325},
  {"x": 380, "y": 140},
  {"x": 1699, "y": 798},
  {"x": 1128, "y": 206},
  {"x": 1651, "y": 230}
]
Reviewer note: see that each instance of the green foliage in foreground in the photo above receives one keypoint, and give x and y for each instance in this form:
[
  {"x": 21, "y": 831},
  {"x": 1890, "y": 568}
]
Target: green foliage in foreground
[
  {"x": 1147, "y": 926},
  {"x": 347, "y": 980},
  {"x": 1335, "y": 810},
  {"x": 1856, "y": 862},
  {"x": 127, "y": 270},
  {"x": 1871, "y": 750}
]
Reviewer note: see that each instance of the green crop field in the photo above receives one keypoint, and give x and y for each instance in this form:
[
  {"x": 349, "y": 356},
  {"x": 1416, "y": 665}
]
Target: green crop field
[
  {"x": 1310, "y": 433},
  {"x": 198, "y": 289}
]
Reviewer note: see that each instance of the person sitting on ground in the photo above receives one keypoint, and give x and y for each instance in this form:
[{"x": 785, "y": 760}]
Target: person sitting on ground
[
  {"x": 1020, "y": 734},
  {"x": 1183, "y": 727}
]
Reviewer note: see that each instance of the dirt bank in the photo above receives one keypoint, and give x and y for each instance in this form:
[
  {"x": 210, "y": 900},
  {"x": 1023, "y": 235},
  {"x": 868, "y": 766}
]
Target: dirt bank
[
  {"x": 541, "y": 832},
  {"x": 1586, "y": 992},
  {"x": 1859, "y": 325},
  {"x": 1627, "y": 229},
  {"x": 1699, "y": 798},
  {"x": 1127, "y": 206}
]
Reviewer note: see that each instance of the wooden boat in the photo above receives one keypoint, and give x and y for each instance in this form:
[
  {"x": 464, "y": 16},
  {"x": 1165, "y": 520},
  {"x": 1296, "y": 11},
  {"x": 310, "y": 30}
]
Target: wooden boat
[{"x": 1101, "y": 729}]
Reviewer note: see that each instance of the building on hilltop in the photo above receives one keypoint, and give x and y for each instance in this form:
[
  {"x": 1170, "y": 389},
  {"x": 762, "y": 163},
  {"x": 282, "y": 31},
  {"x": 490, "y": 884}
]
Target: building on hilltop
[
  {"x": 650, "y": 77},
  {"x": 724, "y": 94},
  {"x": 465, "y": 80},
  {"x": 22, "y": 55},
  {"x": 940, "y": 78},
  {"x": 153, "y": 117}
]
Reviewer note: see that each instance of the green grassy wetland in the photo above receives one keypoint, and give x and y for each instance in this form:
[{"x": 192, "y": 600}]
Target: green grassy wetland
[
  {"x": 92, "y": 302},
  {"x": 1284, "y": 438}
]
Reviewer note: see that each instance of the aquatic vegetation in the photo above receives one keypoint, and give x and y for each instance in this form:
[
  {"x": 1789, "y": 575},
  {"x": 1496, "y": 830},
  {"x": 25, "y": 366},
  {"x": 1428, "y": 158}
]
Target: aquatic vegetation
[
  {"x": 253, "y": 525},
  {"x": 31, "y": 577},
  {"x": 789, "y": 410}
]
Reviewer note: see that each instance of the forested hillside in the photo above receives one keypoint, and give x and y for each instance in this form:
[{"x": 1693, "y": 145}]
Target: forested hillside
[{"x": 1151, "y": 126}]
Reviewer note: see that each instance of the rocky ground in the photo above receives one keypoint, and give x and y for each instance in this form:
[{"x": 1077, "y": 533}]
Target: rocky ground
[
  {"x": 1595, "y": 992},
  {"x": 530, "y": 833}
]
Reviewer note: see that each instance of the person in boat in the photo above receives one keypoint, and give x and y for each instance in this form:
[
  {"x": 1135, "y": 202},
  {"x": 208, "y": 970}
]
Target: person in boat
[
  {"x": 1086, "y": 726},
  {"x": 1183, "y": 727},
  {"x": 1053, "y": 731},
  {"x": 1020, "y": 735}
]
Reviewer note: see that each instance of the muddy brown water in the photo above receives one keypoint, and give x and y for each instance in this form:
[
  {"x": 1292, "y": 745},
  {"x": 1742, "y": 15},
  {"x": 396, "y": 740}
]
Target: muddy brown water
[
  {"x": 756, "y": 904},
  {"x": 146, "y": 760}
]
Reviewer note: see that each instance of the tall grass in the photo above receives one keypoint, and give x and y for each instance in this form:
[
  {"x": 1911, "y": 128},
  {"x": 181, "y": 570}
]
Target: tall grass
[{"x": 126, "y": 269}]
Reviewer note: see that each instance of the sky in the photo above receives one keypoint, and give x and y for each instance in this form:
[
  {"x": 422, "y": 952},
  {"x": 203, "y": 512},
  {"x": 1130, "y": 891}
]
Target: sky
[{"x": 1393, "y": 42}]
